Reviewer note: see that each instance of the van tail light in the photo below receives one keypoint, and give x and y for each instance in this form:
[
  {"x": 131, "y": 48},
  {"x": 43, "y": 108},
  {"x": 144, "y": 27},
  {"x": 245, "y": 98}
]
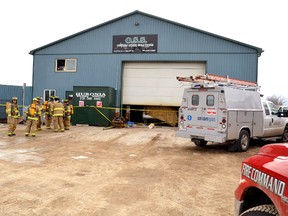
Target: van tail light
[{"x": 223, "y": 123}]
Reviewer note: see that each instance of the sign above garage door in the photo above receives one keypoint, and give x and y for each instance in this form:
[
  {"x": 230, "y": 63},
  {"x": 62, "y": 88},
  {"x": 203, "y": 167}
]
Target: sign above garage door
[
  {"x": 135, "y": 43},
  {"x": 155, "y": 83}
]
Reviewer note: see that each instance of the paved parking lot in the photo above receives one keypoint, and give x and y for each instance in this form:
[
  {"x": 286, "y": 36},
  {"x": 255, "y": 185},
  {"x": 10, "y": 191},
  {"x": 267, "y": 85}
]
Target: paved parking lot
[{"x": 130, "y": 171}]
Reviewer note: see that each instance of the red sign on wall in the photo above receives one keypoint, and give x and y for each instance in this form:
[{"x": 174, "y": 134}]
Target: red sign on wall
[{"x": 99, "y": 104}]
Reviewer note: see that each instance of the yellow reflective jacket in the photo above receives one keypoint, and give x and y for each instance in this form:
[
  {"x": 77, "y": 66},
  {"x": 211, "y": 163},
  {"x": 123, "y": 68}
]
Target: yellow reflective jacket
[
  {"x": 57, "y": 109},
  {"x": 33, "y": 112},
  {"x": 12, "y": 110}
]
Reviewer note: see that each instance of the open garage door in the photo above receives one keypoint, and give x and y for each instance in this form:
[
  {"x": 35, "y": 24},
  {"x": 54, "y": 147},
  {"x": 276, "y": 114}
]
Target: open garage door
[{"x": 155, "y": 83}]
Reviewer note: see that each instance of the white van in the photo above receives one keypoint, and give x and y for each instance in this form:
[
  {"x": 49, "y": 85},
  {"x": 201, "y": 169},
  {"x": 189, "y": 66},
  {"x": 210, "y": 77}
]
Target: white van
[{"x": 226, "y": 114}]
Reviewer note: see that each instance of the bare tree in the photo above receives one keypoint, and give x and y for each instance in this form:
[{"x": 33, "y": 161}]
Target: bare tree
[{"x": 277, "y": 100}]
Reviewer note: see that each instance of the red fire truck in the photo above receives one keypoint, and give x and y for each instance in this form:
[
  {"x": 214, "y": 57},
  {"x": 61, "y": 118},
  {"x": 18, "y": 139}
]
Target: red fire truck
[{"x": 262, "y": 189}]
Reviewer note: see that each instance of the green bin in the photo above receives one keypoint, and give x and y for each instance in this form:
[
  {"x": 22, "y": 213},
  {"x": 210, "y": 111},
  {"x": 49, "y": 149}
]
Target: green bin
[{"x": 93, "y": 105}]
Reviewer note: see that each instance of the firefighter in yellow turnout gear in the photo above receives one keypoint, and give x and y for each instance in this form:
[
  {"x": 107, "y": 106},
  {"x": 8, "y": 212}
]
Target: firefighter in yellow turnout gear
[
  {"x": 32, "y": 114},
  {"x": 39, "y": 123},
  {"x": 47, "y": 109},
  {"x": 57, "y": 111},
  {"x": 12, "y": 111},
  {"x": 67, "y": 114}
]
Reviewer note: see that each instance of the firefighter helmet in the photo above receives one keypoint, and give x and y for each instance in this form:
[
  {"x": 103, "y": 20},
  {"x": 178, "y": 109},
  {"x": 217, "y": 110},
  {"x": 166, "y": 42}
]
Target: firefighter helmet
[
  {"x": 66, "y": 101},
  {"x": 35, "y": 99},
  {"x": 14, "y": 98}
]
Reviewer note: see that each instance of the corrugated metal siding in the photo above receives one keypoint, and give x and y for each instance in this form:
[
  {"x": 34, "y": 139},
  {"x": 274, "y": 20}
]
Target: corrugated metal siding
[
  {"x": 9, "y": 91},
  {"x": 171, "y": 38},
  {"x": 98, "y": 66},
  {"x": 91, "y": 71}
]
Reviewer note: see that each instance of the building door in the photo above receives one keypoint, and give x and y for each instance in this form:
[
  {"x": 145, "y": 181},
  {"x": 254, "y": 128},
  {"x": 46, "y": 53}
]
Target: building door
[{"x": 155, "y": 83}]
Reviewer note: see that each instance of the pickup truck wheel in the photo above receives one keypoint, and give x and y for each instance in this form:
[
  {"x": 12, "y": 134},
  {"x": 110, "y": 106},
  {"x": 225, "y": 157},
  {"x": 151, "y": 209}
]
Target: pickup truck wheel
[
  {"x": 244, "y": 141},
  {"x": 262, "y": 210},
  {"x": 199, "y": 142},
  {"x": 285, "y": 135}
]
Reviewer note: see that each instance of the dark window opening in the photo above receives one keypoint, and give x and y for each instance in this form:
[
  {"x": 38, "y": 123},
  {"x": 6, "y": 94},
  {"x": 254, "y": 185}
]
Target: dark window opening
[{"x": 60, "y": 64}]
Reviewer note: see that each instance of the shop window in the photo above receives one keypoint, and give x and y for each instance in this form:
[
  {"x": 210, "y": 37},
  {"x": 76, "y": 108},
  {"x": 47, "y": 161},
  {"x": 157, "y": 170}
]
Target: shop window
[
  {"x": 66, "y": 65},
  {"x": 48, "y": 93}
]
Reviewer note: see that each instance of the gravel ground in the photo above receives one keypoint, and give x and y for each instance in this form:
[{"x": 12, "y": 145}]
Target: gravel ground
[{"x": 128, "y": 171}]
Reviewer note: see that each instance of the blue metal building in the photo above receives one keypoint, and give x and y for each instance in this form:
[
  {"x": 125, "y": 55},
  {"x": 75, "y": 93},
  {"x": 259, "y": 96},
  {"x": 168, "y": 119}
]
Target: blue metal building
[
  {"x": 23, "y": 93},
  {"x": 139, "y": 55}
]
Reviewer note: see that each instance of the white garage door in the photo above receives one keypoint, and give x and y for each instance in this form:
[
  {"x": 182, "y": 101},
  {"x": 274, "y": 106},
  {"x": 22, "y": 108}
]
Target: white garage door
[{"x": 155, "y": 83}]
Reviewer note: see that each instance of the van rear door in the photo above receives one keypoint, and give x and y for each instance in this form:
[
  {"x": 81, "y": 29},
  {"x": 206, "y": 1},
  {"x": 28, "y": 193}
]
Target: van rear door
[{"x": 202, "y": 108}]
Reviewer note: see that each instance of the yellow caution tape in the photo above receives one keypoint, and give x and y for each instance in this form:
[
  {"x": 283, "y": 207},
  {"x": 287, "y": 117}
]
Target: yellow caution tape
[
  {"x": 115, "y": 108},
  {"x": 18, "y": 105},
  {"x": 118, "y": 108},
  {"x": 111, "y": 108},
  {"x": 103, "y": 114}
]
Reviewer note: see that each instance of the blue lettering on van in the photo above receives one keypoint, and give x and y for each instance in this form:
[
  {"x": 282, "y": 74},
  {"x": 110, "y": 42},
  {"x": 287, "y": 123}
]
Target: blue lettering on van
[
  {"x": 208, "y": 119},
  {"x": 189, "y": 117}
]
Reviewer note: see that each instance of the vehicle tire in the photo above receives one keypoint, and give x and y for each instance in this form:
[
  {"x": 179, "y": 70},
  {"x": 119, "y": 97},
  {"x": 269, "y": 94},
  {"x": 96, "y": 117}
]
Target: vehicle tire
[
  {"x": 244, "y": 141},
  {"x": 285, "y": 135},
  {"x": 198, "y": 142},
  {"x": 262, "y": 210}
]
